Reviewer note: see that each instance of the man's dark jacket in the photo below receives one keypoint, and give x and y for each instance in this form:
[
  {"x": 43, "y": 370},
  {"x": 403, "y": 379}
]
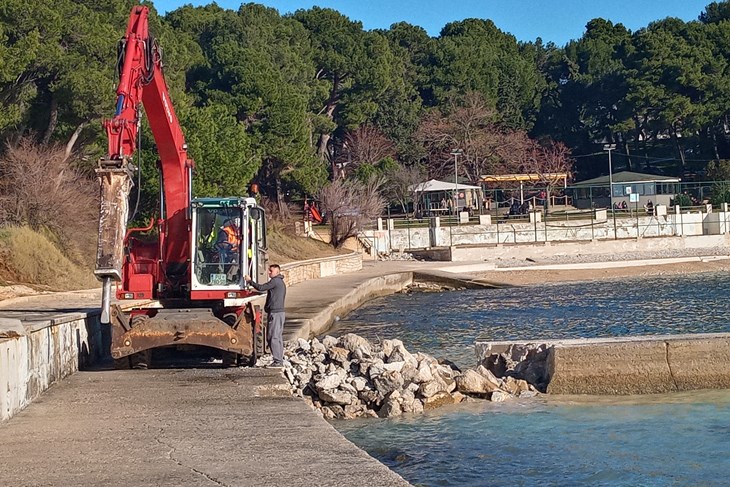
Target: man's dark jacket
[{"x": 275, "y": 293}]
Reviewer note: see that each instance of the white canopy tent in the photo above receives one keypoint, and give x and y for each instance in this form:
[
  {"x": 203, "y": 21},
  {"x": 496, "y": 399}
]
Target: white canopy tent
[
  {"x": 435, "y": 185},
  {"x": 441, "y": 196}
]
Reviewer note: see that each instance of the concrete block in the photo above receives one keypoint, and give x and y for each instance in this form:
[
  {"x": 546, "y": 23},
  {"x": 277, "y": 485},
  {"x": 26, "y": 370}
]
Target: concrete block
[
  {"x": 661, "y": 210},
  {"x": 485, "y": 219},
  {"x": 701, "y": 363},
  {"x": 601, "y": 215},
  {"x": 535, "y": 216},
  {"x": 613, "y": 368},
  {"x": 391, "y": 224},
  {"x": 380, "y": 224},
  {"x": 463, "y": 217}
]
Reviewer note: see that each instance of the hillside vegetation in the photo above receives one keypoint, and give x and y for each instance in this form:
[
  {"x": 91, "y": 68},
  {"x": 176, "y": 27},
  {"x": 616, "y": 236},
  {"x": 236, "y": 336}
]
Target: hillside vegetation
[{"x": 32, "y": 259}]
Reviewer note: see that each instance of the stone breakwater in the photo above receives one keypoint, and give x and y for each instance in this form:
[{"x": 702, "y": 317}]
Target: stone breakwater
[{"x": 350, "y": 377}]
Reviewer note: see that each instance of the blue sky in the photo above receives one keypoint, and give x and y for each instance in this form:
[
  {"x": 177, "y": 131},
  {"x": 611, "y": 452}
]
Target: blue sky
[{"x": 557, "y": 21}]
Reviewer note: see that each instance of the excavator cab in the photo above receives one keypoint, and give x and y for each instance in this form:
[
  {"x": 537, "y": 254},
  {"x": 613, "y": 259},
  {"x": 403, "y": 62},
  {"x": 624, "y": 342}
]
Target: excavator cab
[{"x": 228, "y": 242}]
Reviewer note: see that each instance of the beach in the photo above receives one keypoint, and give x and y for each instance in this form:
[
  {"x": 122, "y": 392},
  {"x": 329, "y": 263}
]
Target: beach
[{"x": 529, "y": 271}]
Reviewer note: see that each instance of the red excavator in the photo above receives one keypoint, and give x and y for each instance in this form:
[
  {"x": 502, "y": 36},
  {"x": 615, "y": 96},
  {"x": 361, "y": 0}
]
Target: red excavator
[{"x": 187, "y": 267}]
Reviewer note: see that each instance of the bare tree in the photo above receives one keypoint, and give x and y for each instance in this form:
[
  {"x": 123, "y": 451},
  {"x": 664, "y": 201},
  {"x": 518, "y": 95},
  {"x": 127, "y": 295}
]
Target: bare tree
[
  {"x": 469, "y": 127},
  {"x": 41, "y": 188},
  {"x": 485, "y": 147},
  {"x": 364, "y": 145},
  {"x": 401, "y": 184},
  {"x": 349, "y": 205},
  {"x": 556, "y": 159}
]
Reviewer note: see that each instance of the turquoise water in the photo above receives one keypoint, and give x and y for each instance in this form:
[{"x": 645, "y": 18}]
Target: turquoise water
[
  {"x": 680, "y": 439},
  {"x": 677, "y": 439},
  {"x": 446, "y": 324}
]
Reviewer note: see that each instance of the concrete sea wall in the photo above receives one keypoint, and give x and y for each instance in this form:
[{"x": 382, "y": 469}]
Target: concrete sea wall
[
  {"x": 615, "y": 366},
  {"x": 33, "y": 357}
]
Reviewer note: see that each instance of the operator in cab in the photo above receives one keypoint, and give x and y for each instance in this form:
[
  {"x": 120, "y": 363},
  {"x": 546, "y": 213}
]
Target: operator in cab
[
  {"x": 227, "y": 245},
  {"x": 229, "y": 236}
]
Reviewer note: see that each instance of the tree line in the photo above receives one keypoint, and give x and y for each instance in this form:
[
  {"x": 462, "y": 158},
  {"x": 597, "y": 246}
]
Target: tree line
[{"x": 292, "y": 101}]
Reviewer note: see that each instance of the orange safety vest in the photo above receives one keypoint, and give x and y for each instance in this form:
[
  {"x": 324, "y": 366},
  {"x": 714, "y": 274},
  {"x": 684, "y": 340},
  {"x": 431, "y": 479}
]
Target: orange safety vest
[{"x": 232, "y": 237}]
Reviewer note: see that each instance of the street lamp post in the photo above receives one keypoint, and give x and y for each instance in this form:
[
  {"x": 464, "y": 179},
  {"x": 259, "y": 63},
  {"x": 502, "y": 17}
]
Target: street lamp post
[
  {"x": 609, "y": 148},
  {"x": 456, "y": 153}
]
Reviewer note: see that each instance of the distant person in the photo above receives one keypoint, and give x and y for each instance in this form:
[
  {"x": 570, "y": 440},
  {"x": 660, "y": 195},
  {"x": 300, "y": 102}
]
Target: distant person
[
  {"x": 274, "y": 307},
  {"x": 649, "y": 207},
  {"x": 307, "y": 211}
]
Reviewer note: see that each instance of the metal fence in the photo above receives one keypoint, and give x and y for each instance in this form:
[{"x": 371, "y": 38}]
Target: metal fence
[{"x": 566, "y": 226}]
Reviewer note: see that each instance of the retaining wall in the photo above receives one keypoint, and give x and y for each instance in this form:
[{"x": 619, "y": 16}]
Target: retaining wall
[
  {"x": 296, "y": 272},
  {"x": 550, "y": 249},
  {"x": 34, "y": 357}
]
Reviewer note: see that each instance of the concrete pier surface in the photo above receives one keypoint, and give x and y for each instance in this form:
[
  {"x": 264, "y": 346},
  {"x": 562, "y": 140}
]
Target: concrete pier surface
[
  {"x": 194, "y": 426},
  {"x": 179, "y": 427}
]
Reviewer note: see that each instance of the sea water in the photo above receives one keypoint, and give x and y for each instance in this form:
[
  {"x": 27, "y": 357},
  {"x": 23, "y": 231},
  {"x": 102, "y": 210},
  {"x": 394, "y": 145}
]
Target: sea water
[
  {"x": 447, "y": 324},
  {"x": 674, "y": 439}
]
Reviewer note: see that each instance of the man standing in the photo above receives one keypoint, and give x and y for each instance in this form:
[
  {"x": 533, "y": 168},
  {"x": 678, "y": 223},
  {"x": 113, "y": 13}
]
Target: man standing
[{"x": 274, "y": 307}]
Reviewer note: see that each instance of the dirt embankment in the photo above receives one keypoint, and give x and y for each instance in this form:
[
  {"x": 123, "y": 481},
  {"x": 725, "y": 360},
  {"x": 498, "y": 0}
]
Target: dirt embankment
[{"x": 31, "y": 263}]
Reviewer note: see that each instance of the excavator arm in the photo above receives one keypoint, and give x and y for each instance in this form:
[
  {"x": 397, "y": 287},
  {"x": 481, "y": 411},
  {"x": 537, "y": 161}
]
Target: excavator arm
[{"x": 142, "y": 83}]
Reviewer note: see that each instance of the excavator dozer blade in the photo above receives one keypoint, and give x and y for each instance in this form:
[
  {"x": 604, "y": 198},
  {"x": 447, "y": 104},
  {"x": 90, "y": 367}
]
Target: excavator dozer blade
[{"x": 195, "y": 326}]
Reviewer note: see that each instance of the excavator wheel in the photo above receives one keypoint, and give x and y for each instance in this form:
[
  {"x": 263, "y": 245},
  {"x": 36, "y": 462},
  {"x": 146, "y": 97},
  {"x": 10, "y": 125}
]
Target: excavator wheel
[
  {"x": 258, "y": 331},
  {"x": 230, "y": 359},
  {"x": 259, "y": 334},
  {"x": 139, "y": 360},
  {"x": 122, "y": 363}
]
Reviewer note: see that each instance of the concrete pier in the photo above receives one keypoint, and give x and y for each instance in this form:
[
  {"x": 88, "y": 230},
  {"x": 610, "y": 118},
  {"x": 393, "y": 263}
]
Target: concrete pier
[
  {"x": 189, "y": 427},
  {"x": 186, "y": 427},
  {"x": 630, "y": 365}
]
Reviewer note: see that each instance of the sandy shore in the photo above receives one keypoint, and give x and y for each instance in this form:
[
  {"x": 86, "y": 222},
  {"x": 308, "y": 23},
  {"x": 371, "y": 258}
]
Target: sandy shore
[{"x": 538, "y": 276}]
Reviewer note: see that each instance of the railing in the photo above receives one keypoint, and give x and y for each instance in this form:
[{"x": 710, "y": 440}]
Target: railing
[{"x": 559, "y": 226}]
